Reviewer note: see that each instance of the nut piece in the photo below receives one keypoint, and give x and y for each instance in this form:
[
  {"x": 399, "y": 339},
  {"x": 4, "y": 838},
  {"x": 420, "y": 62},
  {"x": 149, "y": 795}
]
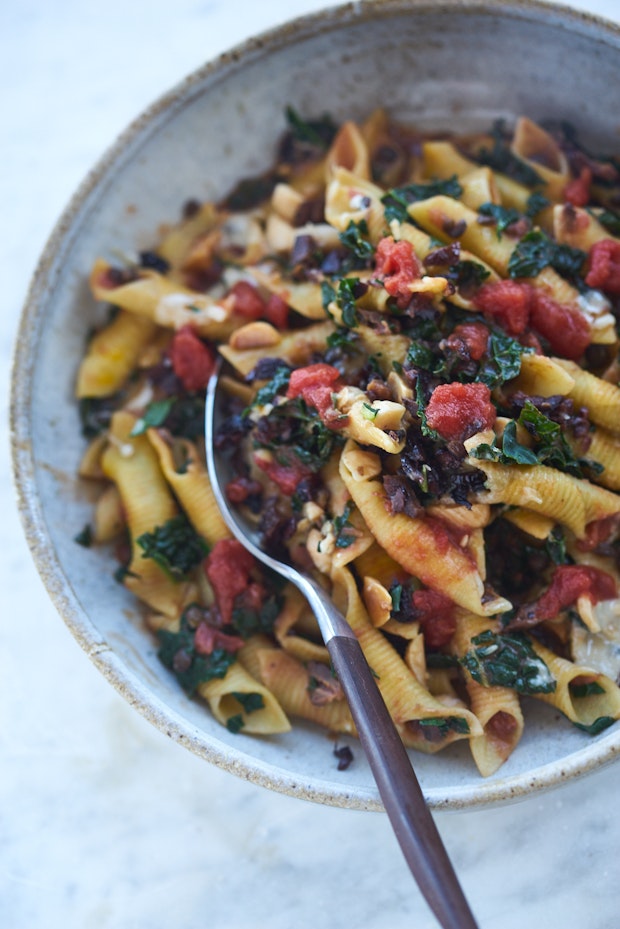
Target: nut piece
[{"x": 257, "y": 334}]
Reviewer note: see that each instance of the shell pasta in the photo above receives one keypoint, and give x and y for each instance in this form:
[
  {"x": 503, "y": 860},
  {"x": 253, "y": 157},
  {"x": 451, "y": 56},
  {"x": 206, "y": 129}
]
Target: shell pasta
[{"x": 422, "y": 374}]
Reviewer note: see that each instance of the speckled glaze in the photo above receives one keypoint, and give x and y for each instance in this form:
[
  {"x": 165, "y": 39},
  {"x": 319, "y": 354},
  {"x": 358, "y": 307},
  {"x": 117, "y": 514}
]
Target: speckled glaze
[{"x": 443, "y": 63}]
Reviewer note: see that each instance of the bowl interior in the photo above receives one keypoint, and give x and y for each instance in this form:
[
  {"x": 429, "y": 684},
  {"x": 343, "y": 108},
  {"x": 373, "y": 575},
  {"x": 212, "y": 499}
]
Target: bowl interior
[{"x": 446, "y": 64}]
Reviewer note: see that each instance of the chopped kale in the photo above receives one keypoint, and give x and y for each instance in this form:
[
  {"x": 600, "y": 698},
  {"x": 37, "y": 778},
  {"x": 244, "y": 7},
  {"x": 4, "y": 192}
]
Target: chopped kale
[
  {"x": 350, "y": 289},
  {"x": 177, "y": 652},
  {"x": 610, "y": 220},
  {"x": 511, "y": 451},
  {"x": 599, "y": 725},
  {"x": 345, "y": 533},
  {"x": 155, "y": 415},
  {"x": 535, "y": 203},
  {"x": 502, "y": 360},
  {"x": 551, "y": 446},
  {"x": 250, "y": 192},
  {"x": 508, "y": 660},
  {"x": 360, "y": 249},
  {"x": 249, "y": 701},
  {"x": 397, "y": 200},
  {"x": 536, "y": 251},
  {"x": 396, "y": 593},
  {"x": 468, "y": 274},
  {"x": 277, "y": 385},
  {"x": 501, "y": 158},
  {"x": 235, "y": 723},
  {"x": 555, "y": 546},
  {"x": 502, "y": 216},
  {"x": 96, "y": 414},
  {"x": 84, "y": 537},
  {"x": 579, "y": 691},
  {"x": 176, "y": 546},
  {"x": 316, "y": 132},
  {"x": 439, "y": 727},
  {"x": 248, "y": 622}
]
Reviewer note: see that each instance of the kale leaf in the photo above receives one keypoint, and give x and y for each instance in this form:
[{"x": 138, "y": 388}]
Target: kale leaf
[
  {"x": 503, "y": 216},
  {"x": 397, "y": 200},
  {"x": 361, "y": 250},
  {"x": 177, "y": 652},
  {"x": 502, "y": 360},
  {"x": 176, "y": 546},
  {"x": 508, "y": 660},
  {"x": 536, "y": 251}
]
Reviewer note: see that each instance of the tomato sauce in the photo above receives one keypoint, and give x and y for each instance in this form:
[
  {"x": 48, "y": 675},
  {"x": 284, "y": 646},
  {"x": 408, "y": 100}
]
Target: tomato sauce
[
  {"x": 436, "y": 615},
  {"x": 571, "y": 582}
]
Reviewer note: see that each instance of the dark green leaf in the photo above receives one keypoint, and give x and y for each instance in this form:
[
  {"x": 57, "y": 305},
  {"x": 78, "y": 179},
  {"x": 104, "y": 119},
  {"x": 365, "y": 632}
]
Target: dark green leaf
[
  {"x": 277, "y": 385},
  {"x": 396, "y": 593},
  {"x": 555, "y": 546},
  {"x": 579, "y": 691},
  {"x": 599, "y": 725},
  {"x": 552, "y": 449},
  {"x": 317, "y": 132},
  {"x": 397, "y": 200},
  {"x": 344, "y": 530},
  {"x": 85, "y": 537},
  {"x": 154, "y": 415},
  {"x": 536, "y": 251},
  {"x": 249, "y": 622},
  {"x": 610, "y": 220},
  {"x": 535, "y": 203},
  {"x": 348, "y": 293},
  {"x": 176, "y": 546},
  {"x": 508, "y": 660},
  {"x": 249, "y": 701},
  {"x": 501, "y": 158},
  {"x": 503, "y": 216},
  {"x": 502, "y": 360},
  {"x": 235, "y": 723},
  {"x": 177, "y": 652},
  {"x": 353, "y": 239}
]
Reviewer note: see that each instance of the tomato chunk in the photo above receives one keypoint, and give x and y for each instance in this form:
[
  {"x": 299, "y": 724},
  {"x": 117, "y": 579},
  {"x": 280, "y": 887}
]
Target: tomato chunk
[
  {"x": 470, "y": 338},
  {"x": 508, "y": 303},
  {"x": 458, "y": 411},
  {"x": 577, "y": 191},
  {"x": 192, "y": 361},
  {"x": 571, "y": 582},
  {"x": 315, "y": 384},
  {"x": 207, "y": 639},
  {"x": 276, "y": 311},
  {"x": 247, "y": 300},
  {"x": 228, "y": 566},
  {"x": 566, "y": 330},
  {"x": 604, "y": 266},
  {"x": 286, "y": 471},
  {"x": 397, "y": 265},
  {"x": 435, "y": 613}
]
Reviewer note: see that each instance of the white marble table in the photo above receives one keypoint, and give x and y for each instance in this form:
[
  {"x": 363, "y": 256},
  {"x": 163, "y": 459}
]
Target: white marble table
[{"x": 105, "y": 823}]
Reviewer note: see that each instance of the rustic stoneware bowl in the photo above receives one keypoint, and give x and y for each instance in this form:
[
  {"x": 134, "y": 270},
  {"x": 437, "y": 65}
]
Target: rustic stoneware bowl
[{"x": 440, "y": 63}]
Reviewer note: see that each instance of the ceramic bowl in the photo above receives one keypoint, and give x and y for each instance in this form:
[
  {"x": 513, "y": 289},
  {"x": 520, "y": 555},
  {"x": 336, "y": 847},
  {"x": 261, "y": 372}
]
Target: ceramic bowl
[{"x": 443, "y": 63}]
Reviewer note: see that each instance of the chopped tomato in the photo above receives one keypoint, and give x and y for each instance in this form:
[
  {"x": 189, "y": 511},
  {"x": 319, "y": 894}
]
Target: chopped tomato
[
  {"x": 207, "y": 639},
  {"x": 228, "y": 566},
  {"x": 276, "y": 312},
  {"x": 577, "y": 191},
  {"x": 397, "y": 265},
  {"x": 458, "y": 411},
  {"x": 507, "y": 303},
  {"x": 192, "y": 361},
  {"x": 315, "y": 384},
  {"x": 571, "y": 582},
  {"x": 247, "y": 300},
  {"x": 566, "y": 330},
  {"x": 285, "y": 473},
  {"x": 604, "y": 266},
  {"x": 470, "y": 337},
  {"x": 435, "y": 613}
]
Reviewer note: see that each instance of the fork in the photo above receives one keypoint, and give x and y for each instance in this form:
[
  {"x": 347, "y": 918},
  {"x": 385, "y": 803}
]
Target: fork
[{"x": 389, "y": 762}]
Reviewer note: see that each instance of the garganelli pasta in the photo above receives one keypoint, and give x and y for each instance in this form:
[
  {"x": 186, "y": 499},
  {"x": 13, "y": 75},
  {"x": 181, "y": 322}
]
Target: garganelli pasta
[{"x": 423, "y": 409}]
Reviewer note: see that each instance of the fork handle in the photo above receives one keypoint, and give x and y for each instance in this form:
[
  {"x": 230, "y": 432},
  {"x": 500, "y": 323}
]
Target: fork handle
[{"x": 399, "y": 788}]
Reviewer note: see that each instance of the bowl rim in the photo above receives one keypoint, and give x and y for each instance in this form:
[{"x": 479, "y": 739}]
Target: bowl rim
[{"x": 57, "y": 584}]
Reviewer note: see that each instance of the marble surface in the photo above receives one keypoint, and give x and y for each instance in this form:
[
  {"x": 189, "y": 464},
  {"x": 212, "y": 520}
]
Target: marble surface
[{"x": 105, "y": 823}]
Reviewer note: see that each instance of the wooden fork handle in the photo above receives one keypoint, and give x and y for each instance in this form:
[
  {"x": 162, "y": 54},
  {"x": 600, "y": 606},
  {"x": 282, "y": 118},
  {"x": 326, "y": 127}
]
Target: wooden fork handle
[{"x": 399, "y": 788}]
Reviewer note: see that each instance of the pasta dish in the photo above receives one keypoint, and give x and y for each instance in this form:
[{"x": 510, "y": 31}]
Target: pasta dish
[{"x": 424, "y": 411}]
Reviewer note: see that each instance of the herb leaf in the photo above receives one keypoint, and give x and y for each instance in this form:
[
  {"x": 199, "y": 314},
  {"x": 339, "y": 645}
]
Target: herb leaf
[
  {"x": 154, "y": 415},
  {"x": 508, "y": 661},
  {"x": 536, "y": 251},
  {"x": 398, "y": 199},
  {"x": 503, "y": 216},
  {"x": 362, "y": 251},
  {"x": 317, "y": 132},
  {"x": 177, "y": 653},
  {"x": 502, "y": 360},
  {"x": 552, "y": 448},
  {"x": 176, "y": 546}
]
